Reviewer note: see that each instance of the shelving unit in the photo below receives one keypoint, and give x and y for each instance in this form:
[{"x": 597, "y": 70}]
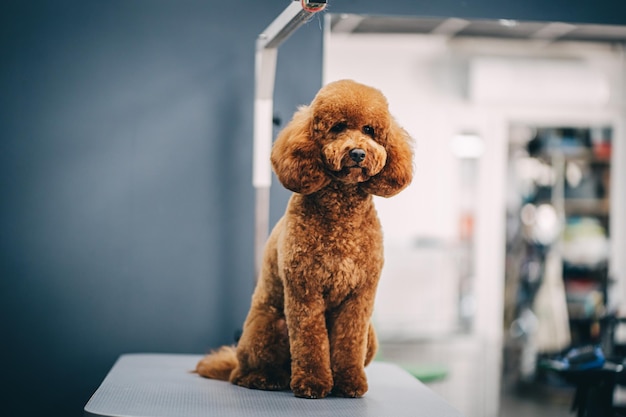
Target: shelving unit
[
  {"x": 563, "y": 176},
  {"x": 584, "y": 239}
]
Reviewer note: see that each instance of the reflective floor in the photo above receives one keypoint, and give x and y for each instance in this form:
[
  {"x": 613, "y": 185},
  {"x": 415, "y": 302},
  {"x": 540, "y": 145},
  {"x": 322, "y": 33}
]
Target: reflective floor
[
  {"x": 471, "y": 386},
  {"x": 514, "y": 404}
]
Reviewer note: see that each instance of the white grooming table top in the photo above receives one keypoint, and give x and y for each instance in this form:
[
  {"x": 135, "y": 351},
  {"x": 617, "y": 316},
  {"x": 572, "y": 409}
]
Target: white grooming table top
[{"x": 159, "y": 385}]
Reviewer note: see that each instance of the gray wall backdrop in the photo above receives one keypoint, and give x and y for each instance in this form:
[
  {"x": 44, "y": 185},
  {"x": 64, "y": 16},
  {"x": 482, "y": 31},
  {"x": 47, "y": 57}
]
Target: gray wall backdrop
[{"x": 126, "y": 210}]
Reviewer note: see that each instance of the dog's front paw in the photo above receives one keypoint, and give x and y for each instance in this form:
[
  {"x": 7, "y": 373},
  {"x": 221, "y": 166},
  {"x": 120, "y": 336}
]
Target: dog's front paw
[
  {"x": 275, "y": 380},
  {"x": 311, "y": 386},
  {"x": 350, "y": 383}
]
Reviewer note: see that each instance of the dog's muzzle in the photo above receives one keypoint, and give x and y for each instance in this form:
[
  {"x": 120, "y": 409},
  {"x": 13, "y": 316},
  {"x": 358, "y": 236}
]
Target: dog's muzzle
[{"x": 353, "y": 161}]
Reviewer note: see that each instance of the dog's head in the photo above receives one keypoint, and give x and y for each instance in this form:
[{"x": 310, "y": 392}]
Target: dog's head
[{"x": 345, "y": 135}]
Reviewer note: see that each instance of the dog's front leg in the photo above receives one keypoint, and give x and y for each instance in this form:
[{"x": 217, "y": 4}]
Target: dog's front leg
[
  {"x": 349, "y": 330},
  {"x": 311, "y": 376}
]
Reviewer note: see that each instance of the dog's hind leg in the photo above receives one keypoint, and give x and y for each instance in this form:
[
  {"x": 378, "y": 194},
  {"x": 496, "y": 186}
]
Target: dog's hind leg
[
  {"x": 372, "y": 344},
  {"x": 263, "y": 352}
]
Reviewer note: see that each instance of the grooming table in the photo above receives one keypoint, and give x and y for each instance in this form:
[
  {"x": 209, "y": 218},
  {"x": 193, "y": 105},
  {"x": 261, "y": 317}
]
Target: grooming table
[{"x": 158, "y": 385}]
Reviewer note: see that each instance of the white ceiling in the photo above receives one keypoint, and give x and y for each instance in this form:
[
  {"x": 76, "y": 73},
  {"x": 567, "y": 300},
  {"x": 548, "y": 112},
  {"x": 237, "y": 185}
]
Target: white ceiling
[{"x": 455, "y": 27}]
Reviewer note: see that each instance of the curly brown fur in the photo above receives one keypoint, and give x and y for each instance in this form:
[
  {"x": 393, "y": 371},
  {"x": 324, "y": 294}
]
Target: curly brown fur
[
  {"x": 218, "y": 364},
  {"x": 309, "y": 327}
]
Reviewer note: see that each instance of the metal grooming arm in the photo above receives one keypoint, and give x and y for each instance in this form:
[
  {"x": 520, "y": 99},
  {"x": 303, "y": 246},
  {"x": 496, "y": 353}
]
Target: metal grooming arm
[{"x": 295, "y": 15}]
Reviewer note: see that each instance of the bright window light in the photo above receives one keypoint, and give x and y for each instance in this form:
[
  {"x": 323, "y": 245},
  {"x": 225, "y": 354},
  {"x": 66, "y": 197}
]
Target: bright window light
[{"x": 467, "y": 145}]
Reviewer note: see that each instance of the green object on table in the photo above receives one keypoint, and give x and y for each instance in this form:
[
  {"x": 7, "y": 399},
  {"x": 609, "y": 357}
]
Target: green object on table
[{"x": 426, "y": 372}]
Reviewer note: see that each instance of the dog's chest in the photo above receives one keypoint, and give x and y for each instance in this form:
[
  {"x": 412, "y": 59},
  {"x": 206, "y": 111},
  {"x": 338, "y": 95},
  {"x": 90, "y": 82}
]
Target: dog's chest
[{"x": 334, "y": 257}]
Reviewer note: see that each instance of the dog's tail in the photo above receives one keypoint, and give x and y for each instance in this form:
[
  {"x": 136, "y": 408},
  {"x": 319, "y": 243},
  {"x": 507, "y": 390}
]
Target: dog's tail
[{"x": 218, "y": 364}]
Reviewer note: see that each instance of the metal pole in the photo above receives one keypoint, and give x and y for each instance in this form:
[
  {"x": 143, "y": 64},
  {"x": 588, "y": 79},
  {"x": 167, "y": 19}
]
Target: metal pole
[{"x": 295, "y": 15}]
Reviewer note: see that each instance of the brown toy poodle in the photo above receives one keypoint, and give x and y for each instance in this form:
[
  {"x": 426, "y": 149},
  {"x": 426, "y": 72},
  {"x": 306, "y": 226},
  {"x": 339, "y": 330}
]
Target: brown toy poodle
[{"x": 309, "y": 327}]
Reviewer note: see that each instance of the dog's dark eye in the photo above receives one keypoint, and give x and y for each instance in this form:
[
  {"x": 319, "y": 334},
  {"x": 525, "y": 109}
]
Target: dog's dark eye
[
  {"x": 368, "y": 130},
  {"x": 339, "y": 127}
]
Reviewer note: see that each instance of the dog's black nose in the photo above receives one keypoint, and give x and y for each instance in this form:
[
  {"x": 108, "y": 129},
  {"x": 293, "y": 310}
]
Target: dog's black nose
[{"x": 357, "y": 155}]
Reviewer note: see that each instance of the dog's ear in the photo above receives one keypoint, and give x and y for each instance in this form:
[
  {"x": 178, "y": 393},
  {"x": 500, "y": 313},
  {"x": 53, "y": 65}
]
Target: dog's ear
[
  {"x": 297, "y": 157},
  {"x": 398, "y": 170}
]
